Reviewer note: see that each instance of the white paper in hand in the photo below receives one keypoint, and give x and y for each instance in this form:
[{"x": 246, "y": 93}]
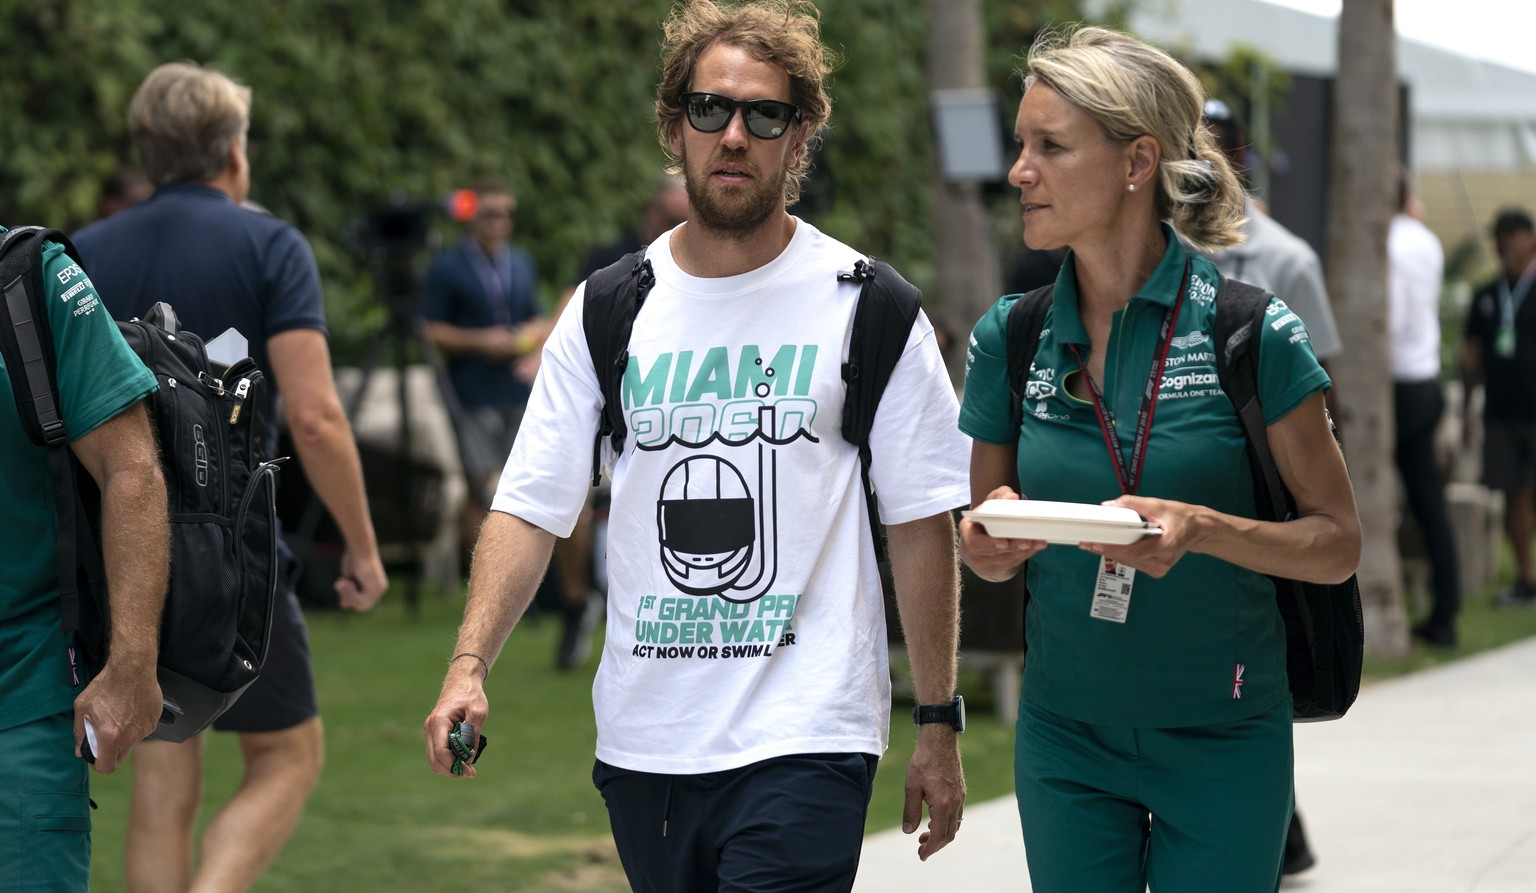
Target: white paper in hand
[
  {"x": 91, "y": 747},
  {"x": 1061, "y": 522}
]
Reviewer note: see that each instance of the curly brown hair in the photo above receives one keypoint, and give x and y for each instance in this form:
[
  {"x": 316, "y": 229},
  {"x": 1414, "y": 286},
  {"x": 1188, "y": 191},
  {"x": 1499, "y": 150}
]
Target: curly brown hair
[{"x": 786, "y": 33}]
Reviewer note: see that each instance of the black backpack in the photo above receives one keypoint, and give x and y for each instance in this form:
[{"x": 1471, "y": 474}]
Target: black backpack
[
  {"x": 221, "y": 491},
  {"x": 882, "y": 321},
  {"x": 1324, "y": 625}
]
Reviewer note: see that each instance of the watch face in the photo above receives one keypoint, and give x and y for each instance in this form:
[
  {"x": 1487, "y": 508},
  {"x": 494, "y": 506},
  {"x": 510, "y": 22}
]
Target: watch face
[{"x": 959, "y": 704}]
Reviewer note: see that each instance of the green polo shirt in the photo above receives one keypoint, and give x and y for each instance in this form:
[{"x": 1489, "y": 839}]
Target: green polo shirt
[
  {"x": 98, "y": 377},
  {"x": 1175, "y": 661}
]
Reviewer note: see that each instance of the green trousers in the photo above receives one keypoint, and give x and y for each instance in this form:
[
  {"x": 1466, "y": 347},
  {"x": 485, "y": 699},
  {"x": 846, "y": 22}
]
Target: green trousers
[
  {"x": 45, "y": 816},
  {"x": 1185, "y": 810}
]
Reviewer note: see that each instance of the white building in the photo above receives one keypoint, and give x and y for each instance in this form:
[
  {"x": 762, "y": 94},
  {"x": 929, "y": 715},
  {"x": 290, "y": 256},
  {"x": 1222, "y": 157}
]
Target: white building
[{"x": 1471, "y": 124}]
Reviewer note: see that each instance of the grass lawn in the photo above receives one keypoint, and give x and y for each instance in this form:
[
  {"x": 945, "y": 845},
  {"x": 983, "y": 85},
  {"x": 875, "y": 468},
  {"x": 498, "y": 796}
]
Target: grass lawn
[
  {"x": 532, "y": 820},
  {"x": 380, "y": 820},
  {"x": 1480, "y": 626}
]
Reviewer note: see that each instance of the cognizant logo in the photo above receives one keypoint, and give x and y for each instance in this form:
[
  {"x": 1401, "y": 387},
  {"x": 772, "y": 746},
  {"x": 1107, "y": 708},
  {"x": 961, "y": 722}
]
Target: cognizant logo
[{"x": 1189, "y": 380}]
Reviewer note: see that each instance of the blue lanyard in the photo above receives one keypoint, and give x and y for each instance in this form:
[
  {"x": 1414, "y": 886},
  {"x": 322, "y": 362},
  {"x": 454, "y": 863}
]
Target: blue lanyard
[
  {"x": 1509, "y": 303},
  {"x": 498, "y": 292}
]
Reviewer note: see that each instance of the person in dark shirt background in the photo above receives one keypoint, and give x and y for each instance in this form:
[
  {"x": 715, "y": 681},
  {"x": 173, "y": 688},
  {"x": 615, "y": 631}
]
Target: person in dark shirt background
[{"x": 1500, "y": 352}]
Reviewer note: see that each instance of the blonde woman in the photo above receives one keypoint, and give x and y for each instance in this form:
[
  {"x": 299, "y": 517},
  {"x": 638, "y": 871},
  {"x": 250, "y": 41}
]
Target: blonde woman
[{"x": 1154, "y": 733}]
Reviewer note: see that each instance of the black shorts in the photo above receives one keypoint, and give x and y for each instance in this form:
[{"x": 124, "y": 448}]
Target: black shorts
[
  {"x": 486, "y": 435},
  {"x": 787, "y": 823},
  {"x": 1509, "y": 455},
  {"x": 284, "y": 694}
]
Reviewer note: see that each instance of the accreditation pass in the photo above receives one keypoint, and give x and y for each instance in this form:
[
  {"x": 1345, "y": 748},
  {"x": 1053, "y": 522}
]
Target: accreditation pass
[{"x": 1112, "y": 591}]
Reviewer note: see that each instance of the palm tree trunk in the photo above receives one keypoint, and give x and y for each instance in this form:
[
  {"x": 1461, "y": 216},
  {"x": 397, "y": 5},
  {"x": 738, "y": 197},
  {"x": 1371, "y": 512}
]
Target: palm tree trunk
[
  {"x": 1364, "y": 171},
  {"x": 967, "y": 273}
]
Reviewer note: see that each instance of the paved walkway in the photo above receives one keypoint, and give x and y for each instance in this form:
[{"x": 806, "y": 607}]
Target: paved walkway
[{"x": 1428, "y": 786}]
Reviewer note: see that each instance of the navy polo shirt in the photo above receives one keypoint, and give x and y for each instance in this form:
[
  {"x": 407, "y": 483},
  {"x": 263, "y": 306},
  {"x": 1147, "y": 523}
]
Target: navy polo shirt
[
  {"x": 457, "y": 294},
  {"x": 217, "y": 264}
]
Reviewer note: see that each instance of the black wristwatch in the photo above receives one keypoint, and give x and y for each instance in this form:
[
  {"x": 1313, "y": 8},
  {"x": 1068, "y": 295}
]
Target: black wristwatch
[{"x": 951, "y": 714}]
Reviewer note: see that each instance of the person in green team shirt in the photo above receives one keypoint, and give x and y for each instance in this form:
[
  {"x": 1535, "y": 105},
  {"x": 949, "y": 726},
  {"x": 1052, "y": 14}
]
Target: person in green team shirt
[
  {"x": 1154, "y": 732},
  {"x": 54, "y": 716}
]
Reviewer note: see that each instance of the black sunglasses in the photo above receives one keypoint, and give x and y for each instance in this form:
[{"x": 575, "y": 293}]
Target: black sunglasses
[{"x": 767, "y": 119}]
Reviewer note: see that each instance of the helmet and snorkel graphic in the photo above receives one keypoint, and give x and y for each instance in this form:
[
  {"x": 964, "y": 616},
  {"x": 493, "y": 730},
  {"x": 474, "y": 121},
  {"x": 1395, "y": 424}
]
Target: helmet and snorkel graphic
[
  {"x": 715, "y": 536},
  {"x": 705, "y": 520}
]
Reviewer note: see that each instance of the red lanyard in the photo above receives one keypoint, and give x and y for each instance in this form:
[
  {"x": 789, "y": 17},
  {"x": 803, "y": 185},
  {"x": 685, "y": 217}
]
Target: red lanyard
[{"x": 1130, "y": 476}]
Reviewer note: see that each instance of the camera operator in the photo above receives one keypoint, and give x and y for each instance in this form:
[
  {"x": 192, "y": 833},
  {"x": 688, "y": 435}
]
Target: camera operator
[{"x": 481, "y": 313}]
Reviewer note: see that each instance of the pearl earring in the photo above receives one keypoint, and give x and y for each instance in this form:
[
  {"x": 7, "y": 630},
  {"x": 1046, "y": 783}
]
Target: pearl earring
[{"x": 1131, "y": 187}]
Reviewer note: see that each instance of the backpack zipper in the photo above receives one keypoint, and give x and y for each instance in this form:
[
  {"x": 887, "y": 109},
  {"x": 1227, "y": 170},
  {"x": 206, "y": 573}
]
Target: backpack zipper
[{"x": 241, "y": 391}]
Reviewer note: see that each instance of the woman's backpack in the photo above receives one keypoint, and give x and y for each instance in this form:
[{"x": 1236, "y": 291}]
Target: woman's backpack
[{"x": 211, "y": 426}]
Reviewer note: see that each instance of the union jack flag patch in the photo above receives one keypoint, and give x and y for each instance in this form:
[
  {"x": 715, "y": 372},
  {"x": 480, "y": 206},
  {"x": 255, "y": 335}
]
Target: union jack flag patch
[{"x": 1237, "y": 682}]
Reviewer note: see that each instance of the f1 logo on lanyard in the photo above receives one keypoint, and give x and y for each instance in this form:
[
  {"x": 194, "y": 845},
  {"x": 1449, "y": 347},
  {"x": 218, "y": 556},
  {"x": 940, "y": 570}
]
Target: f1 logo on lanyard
[{"x": 1112, "y": 586}]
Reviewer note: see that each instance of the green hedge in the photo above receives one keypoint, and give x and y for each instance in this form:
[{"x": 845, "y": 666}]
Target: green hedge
[{"x": 359, "y": 100}]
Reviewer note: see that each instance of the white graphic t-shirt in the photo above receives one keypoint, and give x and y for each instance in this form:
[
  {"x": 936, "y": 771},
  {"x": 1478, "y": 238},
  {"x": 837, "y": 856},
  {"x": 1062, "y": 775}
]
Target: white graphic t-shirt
[{"x": 745, "y": 617}]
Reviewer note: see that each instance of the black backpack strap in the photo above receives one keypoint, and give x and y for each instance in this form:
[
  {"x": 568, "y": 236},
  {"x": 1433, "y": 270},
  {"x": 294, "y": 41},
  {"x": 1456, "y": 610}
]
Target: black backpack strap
[
  {"x": 614, "y": 296},
  {"x": 882, "y": 321},
  {"x": 1026, "y": 318},
  {"x": 1240, "y": 314},
  {"x": 27, "y": 338},
  {"x": 26, "y": 341},
  {"x": 1241, "y": 311}
]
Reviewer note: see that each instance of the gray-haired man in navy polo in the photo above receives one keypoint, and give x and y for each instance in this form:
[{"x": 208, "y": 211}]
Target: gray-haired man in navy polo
[{"x": 220, "y": 265}]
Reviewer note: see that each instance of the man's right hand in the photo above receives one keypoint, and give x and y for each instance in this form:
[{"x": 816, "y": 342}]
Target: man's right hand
[
  {"x": 463, "y": 698},
  {"x": 499, "y": 343},
  {"x": 123, "y": 704},
  {"x": 362, "y": 581}
]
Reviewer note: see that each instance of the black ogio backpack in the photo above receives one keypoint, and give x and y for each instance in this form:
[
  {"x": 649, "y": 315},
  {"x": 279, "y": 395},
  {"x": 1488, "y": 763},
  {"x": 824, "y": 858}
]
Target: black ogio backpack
[
  {"x": 887, "y": 307},
  {"x": 1324, "y": 626},
  {"x": 221, "y": 491}
]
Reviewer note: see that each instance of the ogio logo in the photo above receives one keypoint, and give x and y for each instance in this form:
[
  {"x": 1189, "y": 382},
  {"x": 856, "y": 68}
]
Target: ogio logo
[{"x": 200, "y": 455}]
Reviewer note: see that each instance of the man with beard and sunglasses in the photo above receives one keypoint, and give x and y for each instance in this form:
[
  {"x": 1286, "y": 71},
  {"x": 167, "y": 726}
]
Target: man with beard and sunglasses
[{"x": 743, "y": 697}]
